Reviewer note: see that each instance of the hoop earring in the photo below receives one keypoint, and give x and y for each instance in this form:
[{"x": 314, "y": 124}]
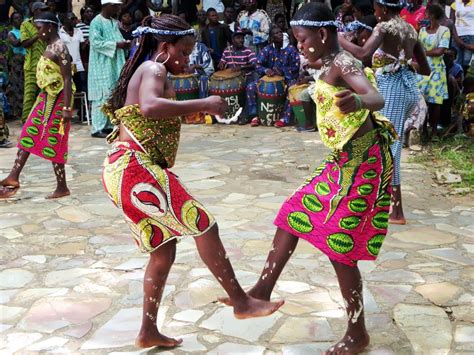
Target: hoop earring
[
  {"x": 323, "y": 41},
  {"x": 159, "y": 54}
]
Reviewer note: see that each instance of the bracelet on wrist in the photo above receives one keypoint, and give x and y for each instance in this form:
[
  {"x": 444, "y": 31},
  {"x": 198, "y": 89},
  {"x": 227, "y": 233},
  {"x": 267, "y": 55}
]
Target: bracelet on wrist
[
  {"x": 68, "y": 109},
  {"x": 358, "y": 101}
]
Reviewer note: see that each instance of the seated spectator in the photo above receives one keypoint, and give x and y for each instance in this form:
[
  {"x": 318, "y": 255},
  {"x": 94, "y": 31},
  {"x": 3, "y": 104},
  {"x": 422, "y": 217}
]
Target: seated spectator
[
  {"x": 201, "y": 24},
  {"x": 74, "y": 39},
  {"x": 237, "y": 56},
  {"x": 454, "y": 69},
  {"x": 255, "y": 24},
  {"x": 280, "y": 21},
  {"x": 17, "y": 60},
  {"x": 200, "y": 64},
  {"x": 274, "y": 60},
  {"x": 414, "y": 13},
  {"x": 348, "y": 17},
  {"x": 216, "y": 36}
]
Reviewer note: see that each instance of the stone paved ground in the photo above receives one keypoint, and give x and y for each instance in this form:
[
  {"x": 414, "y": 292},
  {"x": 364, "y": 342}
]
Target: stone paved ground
[{"x": 71, "y": 278}]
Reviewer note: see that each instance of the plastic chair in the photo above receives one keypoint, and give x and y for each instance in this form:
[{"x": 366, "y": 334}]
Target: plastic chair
[{"x": 84, "y": 106}]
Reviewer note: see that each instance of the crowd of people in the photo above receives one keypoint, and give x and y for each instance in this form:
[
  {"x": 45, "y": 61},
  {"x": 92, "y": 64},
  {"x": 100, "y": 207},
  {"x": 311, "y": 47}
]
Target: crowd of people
[{"x": 366, "y": 73}]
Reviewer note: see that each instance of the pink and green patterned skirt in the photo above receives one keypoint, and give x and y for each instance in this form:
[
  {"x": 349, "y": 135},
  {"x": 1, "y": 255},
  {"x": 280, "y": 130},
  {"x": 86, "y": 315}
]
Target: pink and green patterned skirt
[
  {"x": 44, "y": 133},
  {"x": 342, "y": 208}
]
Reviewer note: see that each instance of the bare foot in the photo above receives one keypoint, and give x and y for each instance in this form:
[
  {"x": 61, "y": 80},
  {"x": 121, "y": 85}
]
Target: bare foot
[
  {"x": 7, "y": 191},
  {"x": 349, "y": 345},
  {"x": 397, "y": 217},
  {"x": 9, "y": 182},
  {"x": 156, "y": 339},
  {"x": 58, "y": 194},
  {"x": 253, "y": 292},
  {"x": 400, "y": 221},
  {"x": 252, "y": 308}
]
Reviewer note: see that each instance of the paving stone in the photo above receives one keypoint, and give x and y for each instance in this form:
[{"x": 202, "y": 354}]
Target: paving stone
[
  {"x": 79, "y": 331},
  {"x": 15, "y": 278},
  {"x": 32, "y": 294},
  {"x": 191, "y": 344},
  {"x": 448, "y": 254},
  {"x": 69, "y": 277},
  {"x": 395, "y": 276},
  {"x": 306, "y": 349},
  {"x": 50, "y": 314},
  {"x": 299, "y": 330},
  {"x": 425, "y": 236},
  {"x": 7, "y": 295},
  {"x": 439, "y": 293},
  {"x": 248, "y": 329},
  {"x": 292, "y": 286},
  {"x": 49, "y": 344},
  {"x": 464, "y": 334},
  {"x": 231, "y": 348},
  {"x": 40, "y": 259},
  {"x": 121, "y": 330},
  {"x": 10, "y": 313},
  {"x": 17, "y": 341},
  {"x": 429, "y": 331},
  {"x": 73, "y": 214},
  {"x": 131, "y": 264},
  {"x": 191, "y": 316}
]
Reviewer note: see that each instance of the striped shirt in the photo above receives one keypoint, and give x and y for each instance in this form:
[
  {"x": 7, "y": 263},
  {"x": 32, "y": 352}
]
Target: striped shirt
[
  {"x": 232, "y": 58},
  {"x": 84, "y": 29}
]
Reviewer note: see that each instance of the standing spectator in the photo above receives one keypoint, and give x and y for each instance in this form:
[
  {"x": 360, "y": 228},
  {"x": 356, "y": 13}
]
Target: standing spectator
[
  {"x": 189, "y": 8},
  {"x": 414, "y": 13},
  {"x": 15, "y": 90},
  {"x": 280, "y": 21},
  {"x": 229, "y": 17},
  {"x": 73, "y": 38},
  {"x": 435, "y": 40},
  {"x": 215, "y": 4},
  {"x": 34, "y": 50},
  {"x": 126, "y": 25},
  {"x": 256, "y": 25},
  {"x": 274, "y": 60},
  {"x": 87, "y": 14},
  {"x": 200, "y": 25},
  {"x": 200, "y": 64},
  {"x": 4, "y": 28},
  {"x": 52, "y": 6},
  {"x": 216, "y": 36},
  {"x": 107, "y": 57},
  {"x": 362, "y": 8},
  {"x": 275, "y": 7},
  {"x": 464, "y": 30}
]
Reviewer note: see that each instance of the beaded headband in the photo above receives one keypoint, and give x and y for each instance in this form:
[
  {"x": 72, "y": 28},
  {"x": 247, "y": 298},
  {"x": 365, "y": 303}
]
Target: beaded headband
[
  {"x": 356, "y": 25},
  {"x": 388, "y": 4},
  {"x": 308, "y": 23},
  {"x": 40, "y": 20},
  {"x": 140, "y": 31}
]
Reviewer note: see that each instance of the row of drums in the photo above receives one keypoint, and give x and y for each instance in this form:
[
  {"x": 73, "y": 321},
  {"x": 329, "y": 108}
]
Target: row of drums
[{"x": 231, "y": 86}]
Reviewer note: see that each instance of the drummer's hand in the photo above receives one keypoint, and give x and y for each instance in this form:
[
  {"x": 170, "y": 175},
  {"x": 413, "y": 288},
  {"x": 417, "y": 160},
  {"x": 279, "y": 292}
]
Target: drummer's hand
[
  {"x": 269, "y": 72},
  {"x": 346, "y": 101},
  {"x": 216, "y": 105}
]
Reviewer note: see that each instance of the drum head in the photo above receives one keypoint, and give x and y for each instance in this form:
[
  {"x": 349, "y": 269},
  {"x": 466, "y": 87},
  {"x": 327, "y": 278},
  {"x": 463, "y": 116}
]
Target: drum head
[
  {"x": 272, "y": 79},
  {"x": 226, "y": 74},
  {"x": 181, "y": 76}
]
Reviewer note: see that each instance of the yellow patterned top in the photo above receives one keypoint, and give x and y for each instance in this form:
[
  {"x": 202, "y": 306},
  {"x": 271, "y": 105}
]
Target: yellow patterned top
[
  {"x": 336, "y": 128},
  {"x": 158, "y": 138},
  {"x": 49, "y": 77}
]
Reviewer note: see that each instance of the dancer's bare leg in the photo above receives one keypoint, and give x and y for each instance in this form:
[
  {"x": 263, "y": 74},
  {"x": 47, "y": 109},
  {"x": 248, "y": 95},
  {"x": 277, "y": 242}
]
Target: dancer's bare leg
[
  {"x": 356, "y": 338},
  {"x": 283, "y": 246},
  {"x": 11, "y": 184},
  {"x": 154, "y": 282},
  {"x": 61, "y": 187},
  {"x": 396, "y": 213},
  {"x": 214, "y": 256}
]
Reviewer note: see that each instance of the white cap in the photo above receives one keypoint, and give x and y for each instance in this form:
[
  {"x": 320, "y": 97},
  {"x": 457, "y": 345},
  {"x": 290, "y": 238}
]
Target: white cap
[{"x": 105, "y": 2}]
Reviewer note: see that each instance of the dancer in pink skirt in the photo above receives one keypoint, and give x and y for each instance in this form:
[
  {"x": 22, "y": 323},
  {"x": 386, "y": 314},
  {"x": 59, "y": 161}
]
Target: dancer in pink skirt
[
  {"x": 342, "y": 208},
  {"x": 46, "y": 131}
]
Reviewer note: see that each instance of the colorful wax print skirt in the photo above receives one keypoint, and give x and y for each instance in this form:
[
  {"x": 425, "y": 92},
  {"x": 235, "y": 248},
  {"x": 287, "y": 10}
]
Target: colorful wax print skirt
[
  {"x": 156, "y": 205},
  {"x": 44, "y": 133},
  {"x": 342, "y": 208}
]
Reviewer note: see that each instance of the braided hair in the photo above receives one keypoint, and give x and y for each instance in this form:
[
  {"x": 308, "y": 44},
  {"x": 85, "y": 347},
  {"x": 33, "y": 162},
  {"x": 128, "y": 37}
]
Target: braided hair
[{"x": 147, "y": 44}]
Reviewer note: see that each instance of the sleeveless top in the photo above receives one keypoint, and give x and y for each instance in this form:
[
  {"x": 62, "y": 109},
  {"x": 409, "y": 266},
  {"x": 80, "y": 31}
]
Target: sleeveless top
[
  {"x": 336, "y": 128},
  {"x": 159, "y": 139},
  {"x": 384, "y": 62}
]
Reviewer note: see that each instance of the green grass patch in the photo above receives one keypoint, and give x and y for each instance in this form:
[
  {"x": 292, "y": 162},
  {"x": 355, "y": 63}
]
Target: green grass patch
[{"x": 456, "y": 153}]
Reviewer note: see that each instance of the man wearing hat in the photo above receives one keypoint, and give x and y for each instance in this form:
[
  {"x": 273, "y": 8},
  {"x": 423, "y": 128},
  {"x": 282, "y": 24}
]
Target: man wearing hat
[
  {"x": 35, "y": 47},
  {"x": 106, "y": 59}
]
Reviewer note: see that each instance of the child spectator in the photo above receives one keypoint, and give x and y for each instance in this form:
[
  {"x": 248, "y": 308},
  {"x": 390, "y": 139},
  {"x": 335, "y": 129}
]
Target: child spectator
[{"x": 126, "y": 25}]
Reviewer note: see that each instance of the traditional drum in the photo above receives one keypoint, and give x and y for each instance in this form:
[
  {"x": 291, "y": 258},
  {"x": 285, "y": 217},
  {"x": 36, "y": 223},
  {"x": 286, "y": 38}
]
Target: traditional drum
[
  {"x": 229, "y": 85},
  {"x": 186, "y": 87},
  {"x": 296, "y": 105},
  {"x": 271, "y": 99}
]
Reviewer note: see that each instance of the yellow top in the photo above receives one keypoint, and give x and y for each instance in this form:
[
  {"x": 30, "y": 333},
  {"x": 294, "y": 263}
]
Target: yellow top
[{"x": 49, "y": 77}]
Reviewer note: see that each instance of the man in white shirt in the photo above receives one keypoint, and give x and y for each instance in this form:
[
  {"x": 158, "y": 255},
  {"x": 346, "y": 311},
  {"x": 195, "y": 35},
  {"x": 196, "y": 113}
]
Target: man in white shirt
[{"x": 73, "y": 38}]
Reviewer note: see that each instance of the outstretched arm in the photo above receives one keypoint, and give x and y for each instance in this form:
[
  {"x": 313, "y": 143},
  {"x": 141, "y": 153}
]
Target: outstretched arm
[{"x": 155, "y": 106}]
